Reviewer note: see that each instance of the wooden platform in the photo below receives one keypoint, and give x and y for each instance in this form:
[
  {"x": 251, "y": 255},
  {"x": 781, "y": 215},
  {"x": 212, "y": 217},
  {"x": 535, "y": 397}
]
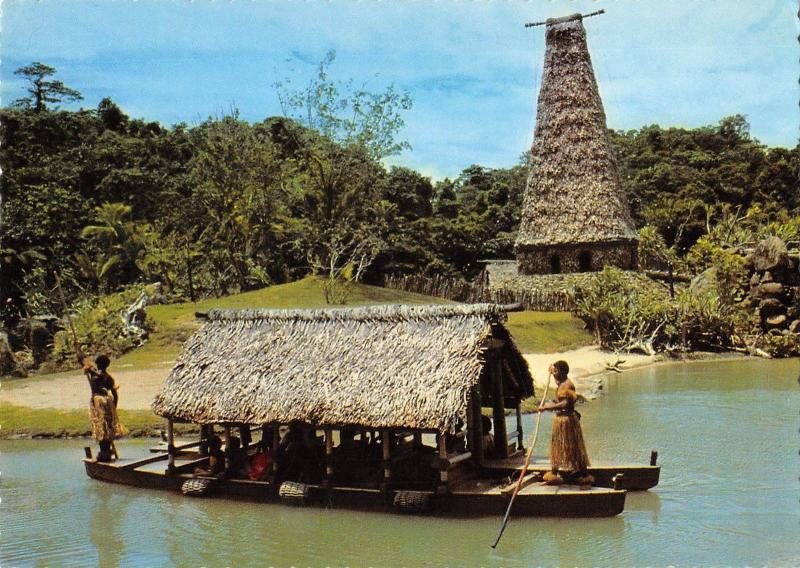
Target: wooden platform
[{"x": 635, "y": 477}]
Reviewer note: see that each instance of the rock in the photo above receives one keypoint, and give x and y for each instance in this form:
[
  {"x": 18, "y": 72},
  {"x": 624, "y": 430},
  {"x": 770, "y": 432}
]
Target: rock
[
  {"x": 8, "y": 364},
  {"x": 770, "y": 253},
  {"x": 755, "y": 280},
  {"x": 792, "y": 312},
  {"x": 794, "y": 327},
  {"x": 706, "y": 280},
  {"x": 41, "y": 341},
  {"x": 776, "y": 320},
  {"x": 767, "y": 277},
  {"x": 771, "y": 289},
  {"x": 770, "y": 306}
]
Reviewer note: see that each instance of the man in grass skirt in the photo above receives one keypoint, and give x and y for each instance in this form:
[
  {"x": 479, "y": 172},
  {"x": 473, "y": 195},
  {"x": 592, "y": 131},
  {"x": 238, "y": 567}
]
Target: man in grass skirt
[
  {"x": 568, "y": 454},
  {"x": 103, "y": 406}
]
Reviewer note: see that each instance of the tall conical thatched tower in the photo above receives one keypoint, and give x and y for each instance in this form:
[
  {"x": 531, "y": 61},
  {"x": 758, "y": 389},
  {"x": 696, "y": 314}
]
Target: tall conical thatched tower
[{"x": 575, "y": 216}]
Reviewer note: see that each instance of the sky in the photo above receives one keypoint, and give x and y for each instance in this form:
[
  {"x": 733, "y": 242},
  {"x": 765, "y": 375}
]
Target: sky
[{"x": 471, "y": 67}]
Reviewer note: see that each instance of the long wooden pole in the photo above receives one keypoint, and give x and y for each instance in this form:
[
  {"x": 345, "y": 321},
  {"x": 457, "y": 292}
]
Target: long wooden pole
[{"x": 524, "y": 467}]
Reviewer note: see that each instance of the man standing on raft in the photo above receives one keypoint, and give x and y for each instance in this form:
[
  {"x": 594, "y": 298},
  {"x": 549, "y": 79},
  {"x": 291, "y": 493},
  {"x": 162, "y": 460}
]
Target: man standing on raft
[
  {"x": 102, "y": 405},
  {"x": 567, "y": 449}
]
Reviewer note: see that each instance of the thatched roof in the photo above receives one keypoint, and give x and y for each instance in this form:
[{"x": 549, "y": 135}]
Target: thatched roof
[
  {"x": 573, "y": 194},
  {"x": 379, "y": 367}
]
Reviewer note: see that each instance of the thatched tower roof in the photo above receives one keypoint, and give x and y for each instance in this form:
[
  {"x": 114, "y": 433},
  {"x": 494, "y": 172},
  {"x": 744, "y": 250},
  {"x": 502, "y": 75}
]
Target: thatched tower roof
[
  {"x": 573, "y": 194},
  {"x": 379, "y": 367}
]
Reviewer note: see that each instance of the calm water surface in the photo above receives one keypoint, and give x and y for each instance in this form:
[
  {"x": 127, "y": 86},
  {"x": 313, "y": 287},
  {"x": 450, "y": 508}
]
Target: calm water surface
[{"x": 727, "y": 434}]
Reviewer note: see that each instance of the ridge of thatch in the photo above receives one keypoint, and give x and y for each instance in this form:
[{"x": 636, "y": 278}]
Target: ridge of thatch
[
  {"x": 365, "y": 313},
  {"x": 375, "y": 367},
  {"x": 573, "y": 194}
]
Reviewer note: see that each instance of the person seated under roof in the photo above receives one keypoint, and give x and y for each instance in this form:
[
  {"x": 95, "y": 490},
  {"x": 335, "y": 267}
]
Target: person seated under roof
[
  {"x": 216, "y": 459},
  {"x": 235, "y": 459}
]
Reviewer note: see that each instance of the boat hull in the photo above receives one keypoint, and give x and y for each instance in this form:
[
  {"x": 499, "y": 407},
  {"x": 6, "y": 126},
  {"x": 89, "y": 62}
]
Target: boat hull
[{"x": 470, "y": 499}]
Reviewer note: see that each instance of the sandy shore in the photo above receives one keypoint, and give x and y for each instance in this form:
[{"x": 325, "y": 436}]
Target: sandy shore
[
  {"x": 138, "y": 388},
  {"x": 586, "y": 365}
]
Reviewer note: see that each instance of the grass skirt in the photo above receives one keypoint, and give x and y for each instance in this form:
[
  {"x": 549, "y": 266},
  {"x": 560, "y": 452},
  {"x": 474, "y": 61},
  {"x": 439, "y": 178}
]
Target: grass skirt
[
  {"x": 567, "y": 448},
  {"x": 103, "y": 415}
]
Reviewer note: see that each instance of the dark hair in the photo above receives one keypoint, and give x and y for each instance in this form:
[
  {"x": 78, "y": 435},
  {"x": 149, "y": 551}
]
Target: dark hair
[
  {"x": 486, "y": 424},
  {"x": 215, "y": 443},
  {"x": 562, "y": 368},
  {"x": 102, "y": 362}
]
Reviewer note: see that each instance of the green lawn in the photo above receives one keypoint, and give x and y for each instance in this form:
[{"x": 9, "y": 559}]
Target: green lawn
[
  {"x": 175, "y": 322},
  {"x": 547, "y": 332}
]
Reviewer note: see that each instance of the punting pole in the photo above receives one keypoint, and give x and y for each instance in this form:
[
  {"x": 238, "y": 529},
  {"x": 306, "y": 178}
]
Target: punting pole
[{"x": 524, "y": 467}]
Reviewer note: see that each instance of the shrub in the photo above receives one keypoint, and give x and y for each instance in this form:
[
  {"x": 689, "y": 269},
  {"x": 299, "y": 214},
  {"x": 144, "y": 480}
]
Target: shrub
[
  {"x": 625, "y": 315},
  {"x": 99, "y": 328}
]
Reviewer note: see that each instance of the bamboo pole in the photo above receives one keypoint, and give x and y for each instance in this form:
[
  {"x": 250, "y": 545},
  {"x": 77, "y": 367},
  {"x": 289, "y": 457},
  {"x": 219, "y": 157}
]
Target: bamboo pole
[{"x": 520, "y": 440}]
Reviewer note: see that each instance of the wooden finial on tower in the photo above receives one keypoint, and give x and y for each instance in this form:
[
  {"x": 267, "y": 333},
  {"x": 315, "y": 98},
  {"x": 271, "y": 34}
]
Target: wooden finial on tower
[{"x": 564, "y": 19}]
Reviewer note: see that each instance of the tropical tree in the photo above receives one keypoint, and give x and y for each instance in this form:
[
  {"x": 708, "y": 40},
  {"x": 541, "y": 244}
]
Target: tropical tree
[
  {"x": 340, "y": 133},
  {"x": 42, "y": 89}
]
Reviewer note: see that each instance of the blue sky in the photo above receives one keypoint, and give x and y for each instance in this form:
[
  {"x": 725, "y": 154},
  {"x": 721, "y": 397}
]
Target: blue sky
[{"x": 470, "y": 66}]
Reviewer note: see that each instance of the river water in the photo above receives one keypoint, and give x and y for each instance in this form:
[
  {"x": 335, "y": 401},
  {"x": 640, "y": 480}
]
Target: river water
[{"x": 726, "y": 432}]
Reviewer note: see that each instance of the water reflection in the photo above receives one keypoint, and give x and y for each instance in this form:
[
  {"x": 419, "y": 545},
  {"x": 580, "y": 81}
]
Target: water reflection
[{"x": 105, "y": 532}]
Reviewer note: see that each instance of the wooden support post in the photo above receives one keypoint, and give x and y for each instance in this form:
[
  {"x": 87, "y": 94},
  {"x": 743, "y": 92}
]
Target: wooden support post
[
  {"x": 387, "y": 456},
  {"x": 170, "y": 445},
  {"x": 202, "y": 448},
  {"x": 227, "y": 434},
  {"x": 499, "y": 411},
  {"x": 328, "y": 454},
  {"x": 417, "y": 440},
  {"x": 477, "y": 425},
  {"x": 653, "y": 457},
  {"x": 520, "y": 439},
  {"x": 87, "y": 451},
  {"x": 276, "y": 442},
  {"x": 443, "y": 463}
]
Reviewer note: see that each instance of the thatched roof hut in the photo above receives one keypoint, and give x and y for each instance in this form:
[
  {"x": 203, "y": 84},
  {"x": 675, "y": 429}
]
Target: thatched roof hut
[
  {"x": 374, "y": 367},
  {"x": 574, "y": 202}
]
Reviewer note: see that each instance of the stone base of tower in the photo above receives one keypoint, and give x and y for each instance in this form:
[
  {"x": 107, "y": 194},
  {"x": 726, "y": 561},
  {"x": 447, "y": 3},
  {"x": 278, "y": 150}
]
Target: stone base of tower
[{"x": 564, "y": 259}]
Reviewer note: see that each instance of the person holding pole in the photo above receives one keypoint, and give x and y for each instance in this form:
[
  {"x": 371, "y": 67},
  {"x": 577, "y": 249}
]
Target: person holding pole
[
  {"x": 567, "y": 448},
  {"x": 102, "y": 405}
]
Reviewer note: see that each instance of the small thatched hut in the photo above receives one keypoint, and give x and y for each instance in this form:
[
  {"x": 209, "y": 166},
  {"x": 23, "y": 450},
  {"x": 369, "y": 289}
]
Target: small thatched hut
[
  {"x": 575, "y": 215},
  {"x": 383, "y": 367}
]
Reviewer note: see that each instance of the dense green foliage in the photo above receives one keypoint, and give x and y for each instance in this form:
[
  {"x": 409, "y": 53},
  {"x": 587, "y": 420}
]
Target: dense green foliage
[
  {"x": 626, "y": 316},
  {"x": 107, "y": 201}
]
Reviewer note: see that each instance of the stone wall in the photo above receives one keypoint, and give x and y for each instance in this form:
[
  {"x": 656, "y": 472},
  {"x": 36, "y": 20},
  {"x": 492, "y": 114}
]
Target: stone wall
[
  {"x": 775, "y": 287},
  {"x": 571, "y": 259}
]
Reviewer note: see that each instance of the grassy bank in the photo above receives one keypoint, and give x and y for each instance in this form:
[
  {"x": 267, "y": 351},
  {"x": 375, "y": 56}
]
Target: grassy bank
[{"x": 20, "y": 421}]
